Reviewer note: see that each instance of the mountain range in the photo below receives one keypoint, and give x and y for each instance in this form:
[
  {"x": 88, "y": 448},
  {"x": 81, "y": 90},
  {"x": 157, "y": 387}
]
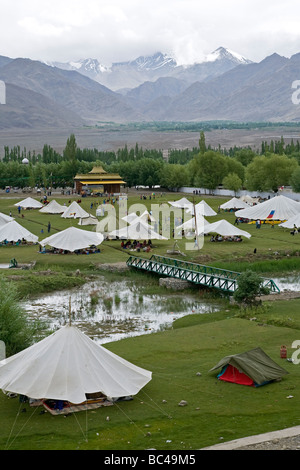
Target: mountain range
[
  {"x": 128, "y": 75},
  {"x": 224, "y": 86}
]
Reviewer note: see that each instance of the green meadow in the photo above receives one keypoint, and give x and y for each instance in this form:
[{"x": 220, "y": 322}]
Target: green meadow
[
  {"x": 180, "y": 358},
  {"x": 276, "y": 249}
]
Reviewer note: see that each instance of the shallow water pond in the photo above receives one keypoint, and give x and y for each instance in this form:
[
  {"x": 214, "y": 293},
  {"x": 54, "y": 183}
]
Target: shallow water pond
[
  {"x": 112, "y": 311},
  {"x": 290, "y": 283}
]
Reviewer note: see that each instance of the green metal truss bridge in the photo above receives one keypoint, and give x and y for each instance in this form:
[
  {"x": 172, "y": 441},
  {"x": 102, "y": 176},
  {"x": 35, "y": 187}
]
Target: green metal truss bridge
[{"x": 208, "y": 276}]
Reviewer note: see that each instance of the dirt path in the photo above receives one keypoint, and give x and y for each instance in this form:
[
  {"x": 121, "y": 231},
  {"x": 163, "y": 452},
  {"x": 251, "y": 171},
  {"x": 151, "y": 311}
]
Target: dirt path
[{"x": 287, "y": 295}]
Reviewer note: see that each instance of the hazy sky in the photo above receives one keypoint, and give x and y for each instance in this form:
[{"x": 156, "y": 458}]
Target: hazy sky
[{"x": 120, "y": 30}]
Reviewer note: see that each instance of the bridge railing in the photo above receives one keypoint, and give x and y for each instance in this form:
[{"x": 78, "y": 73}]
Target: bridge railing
[
  {"x": 183, "y": 273},
  {"x": 196, "y": 267},
  {"x": 195, "y": 273}
]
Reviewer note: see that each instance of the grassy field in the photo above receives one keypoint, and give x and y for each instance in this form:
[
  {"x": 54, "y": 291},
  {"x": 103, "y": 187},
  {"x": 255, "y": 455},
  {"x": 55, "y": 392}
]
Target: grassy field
[
  {"x": 271, "y": 244},
  {"x": 215, "y": 411}
]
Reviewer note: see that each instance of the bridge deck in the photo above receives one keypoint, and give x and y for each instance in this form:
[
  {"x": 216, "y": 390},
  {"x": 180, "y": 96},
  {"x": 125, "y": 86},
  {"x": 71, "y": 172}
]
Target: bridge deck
[{"x": 208, "y": 276}]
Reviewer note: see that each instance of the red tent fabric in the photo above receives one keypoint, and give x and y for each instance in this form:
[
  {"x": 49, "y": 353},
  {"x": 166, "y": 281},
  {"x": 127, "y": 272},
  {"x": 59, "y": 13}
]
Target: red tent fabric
[{"x": 232, "y": 374}]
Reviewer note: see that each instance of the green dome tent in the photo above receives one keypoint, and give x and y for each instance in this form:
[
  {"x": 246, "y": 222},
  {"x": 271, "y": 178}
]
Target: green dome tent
[{"x": 253, "y": 368}]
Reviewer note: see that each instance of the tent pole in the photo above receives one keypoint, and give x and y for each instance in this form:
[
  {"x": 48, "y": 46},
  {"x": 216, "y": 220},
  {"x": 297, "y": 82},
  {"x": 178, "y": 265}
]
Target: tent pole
[
  {"x": 70, "y": 311},
  {"x": 196, "y": 228}
]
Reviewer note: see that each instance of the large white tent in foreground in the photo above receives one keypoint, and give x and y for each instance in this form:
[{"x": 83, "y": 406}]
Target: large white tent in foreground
[
  {"x": 276, "y": 208},
  {"x": 226, "y": 229},
  {"x": 29, "y": 203},
  {"x": 67, "y": 365},
  {"x": 13, "y": 232},
  {"x": 73, "y": 239}
]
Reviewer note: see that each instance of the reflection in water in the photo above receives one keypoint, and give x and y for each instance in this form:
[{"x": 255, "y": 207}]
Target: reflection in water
[{"x": 112, "y": 311}]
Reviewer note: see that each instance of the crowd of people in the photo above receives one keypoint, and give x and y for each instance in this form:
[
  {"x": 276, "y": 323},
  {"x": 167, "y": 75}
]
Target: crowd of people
[
  {"x": 220, "y": 238},
  {"x": 16, "y": 243},
  {"x": 137, "y": 245},
  {"x": 57, "y": 251}
]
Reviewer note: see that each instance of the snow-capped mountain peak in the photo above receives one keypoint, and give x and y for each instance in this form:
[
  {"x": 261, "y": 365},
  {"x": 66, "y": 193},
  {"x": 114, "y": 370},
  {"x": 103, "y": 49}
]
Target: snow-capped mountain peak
[
  {"x": 130, "y": 74},
  {"x": 224, "y": 53},
  {"x": 85, "y": 66},
  {"x": 89, "y": 65},
  {"x": 154, "y": 62}
]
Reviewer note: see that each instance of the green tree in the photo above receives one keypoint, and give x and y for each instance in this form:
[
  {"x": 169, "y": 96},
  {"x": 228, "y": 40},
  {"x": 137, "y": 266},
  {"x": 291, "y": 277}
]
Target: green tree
[
  {"x": 245, "y": 156},
  {"x": 255, "y": 174},
  {"x": 173, "y": 176},
  {"x": 234, "y": 166},
  {"x": 269, "y": 172},
  {"x": 202, "y": 144},
  {"x": 207, "y": 170},
  {"x": 295, "y": 180},
  {"x": 250, "y": 286},
  {"x": 70, "y": 149},
  {"x": 278, "y": 171},
  {"x": 15, "y": 330},
  {"x": 233, "y": 182},
  {"x": 148, "y": 170}
]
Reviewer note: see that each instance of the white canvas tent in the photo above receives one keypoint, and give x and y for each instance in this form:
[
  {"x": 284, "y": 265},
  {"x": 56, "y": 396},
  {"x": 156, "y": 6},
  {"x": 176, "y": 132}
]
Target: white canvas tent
[
  {"x": 277, "y": 208},
  {"x": 224, "y": 228},
  {"x": 292, "y": 222},
  {"x": 90, "y": 220},
  {"x": 67, "y": 365},
  {"x": 130, "y": 217},
  {"x": 182, "y": 203},
  {"x": 147, "y": 216},
  {"x": 249, "y": 199},
  {"x": 53, "y": 208},
  {"x": 4, "y": 219},
  {"x": 73, "y": 239},
  {"x": 202, "y": 208},
  {"x": 29, "y": 203},
  {"x": 234, "y": 203},
  {"x": 74, "y": 211},
  {"x": 138, "y": 230},
  {"x": 13, "y": 232},
  {"x": 101, "y": 209},
  {"x": 191, "y": 224},
  {"x": 133, "y": 217}
]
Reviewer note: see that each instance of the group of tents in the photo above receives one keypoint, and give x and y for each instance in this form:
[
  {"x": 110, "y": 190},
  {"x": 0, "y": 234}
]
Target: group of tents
[
  {"x": 68, "y": 369},
  {"x": 12, "y": 231},
  {"x": 68, "y": 372},
  {"x": 199, "y": 224},
  {"x": 279, "y": 208},
  {"x": 70, "y": 239},
  {"x": 141, "y": 227}
]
